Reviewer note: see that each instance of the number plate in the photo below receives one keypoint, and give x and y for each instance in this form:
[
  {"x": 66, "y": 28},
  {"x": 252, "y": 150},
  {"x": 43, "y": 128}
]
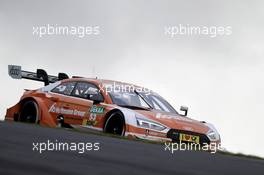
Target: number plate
[{"x": 189, "y": 138}]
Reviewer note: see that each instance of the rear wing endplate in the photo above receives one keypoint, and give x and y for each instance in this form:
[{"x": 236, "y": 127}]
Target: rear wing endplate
[{"x": 16, "y": 72}]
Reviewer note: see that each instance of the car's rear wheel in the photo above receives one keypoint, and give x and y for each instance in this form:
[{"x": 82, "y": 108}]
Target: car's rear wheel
[
  {"x": 115, "y": 124},
  {"x": 29, "y": 112}
]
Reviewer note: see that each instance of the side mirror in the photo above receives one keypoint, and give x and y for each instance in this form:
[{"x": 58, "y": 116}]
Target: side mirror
[
  {"x": 185, "y": 109},
  {"x": 94, "y": 95},
  {"x": 96, "y": 98}
]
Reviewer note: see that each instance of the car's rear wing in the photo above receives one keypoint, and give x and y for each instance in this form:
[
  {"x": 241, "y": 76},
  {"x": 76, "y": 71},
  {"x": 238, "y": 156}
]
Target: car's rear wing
[{"x": 16, "y": 72}]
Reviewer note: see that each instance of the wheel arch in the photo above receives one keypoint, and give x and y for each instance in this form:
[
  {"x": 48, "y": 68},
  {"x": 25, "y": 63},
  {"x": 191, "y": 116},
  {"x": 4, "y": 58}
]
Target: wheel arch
[
  {"x": 24, "y": 100},
  {"x": 44, "y": 116}
]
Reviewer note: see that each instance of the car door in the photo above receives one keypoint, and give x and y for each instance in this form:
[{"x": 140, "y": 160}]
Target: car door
[
  {"x": 94, "y": 113},
  {"x": 82, "y": 103},
  {"x": 74, "y": 105}
]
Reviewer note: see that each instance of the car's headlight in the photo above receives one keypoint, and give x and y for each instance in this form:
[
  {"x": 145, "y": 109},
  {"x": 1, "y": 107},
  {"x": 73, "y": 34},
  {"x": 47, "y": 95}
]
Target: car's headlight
[
  {"x": 212, "y": 135},
  {"x": 149, "y": 124}
]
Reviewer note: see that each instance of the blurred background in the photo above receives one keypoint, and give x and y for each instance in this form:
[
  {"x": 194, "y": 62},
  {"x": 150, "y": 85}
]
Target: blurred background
[{"x": 220, "y": 79}]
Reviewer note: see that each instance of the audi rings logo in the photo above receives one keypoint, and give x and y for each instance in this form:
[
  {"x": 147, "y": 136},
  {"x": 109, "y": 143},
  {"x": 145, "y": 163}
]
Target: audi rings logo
[{"x": 14, "y": 71}]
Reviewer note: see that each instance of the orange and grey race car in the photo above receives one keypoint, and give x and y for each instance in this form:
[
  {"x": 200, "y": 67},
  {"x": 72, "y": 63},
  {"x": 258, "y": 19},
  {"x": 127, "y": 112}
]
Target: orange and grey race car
[{"x": 108, "y": 106}]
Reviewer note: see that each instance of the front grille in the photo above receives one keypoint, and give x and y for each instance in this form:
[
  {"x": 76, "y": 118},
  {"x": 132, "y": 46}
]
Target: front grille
[{"x": 174, "y": 134}]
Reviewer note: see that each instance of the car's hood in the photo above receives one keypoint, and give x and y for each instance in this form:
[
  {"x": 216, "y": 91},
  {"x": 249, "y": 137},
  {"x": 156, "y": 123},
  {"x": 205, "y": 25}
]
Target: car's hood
[{"x": 175, "y": 121}]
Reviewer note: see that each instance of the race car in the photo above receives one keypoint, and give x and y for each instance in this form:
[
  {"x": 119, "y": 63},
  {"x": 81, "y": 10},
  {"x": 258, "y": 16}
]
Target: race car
[{"x": 108, "y": 106}]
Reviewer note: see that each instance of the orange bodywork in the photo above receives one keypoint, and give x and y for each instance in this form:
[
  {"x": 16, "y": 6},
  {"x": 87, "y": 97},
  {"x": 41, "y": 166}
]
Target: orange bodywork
[{"x": 80, "y": 112}]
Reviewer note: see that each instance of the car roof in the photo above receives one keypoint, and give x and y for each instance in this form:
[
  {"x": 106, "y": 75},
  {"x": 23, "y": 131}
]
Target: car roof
[{"x": 102, "y": 81}]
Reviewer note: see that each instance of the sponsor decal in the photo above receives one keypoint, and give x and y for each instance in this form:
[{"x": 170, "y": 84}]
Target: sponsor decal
[
  {"x": 97, "y": 109},
  {"x": 153, "y": 133},
  {"x": 91, "y": 120},
  {"x": 92, "y": 117},
  {"x": 61, "y": 110},
  {"x": 187, "y": 128},
  {"x": 158, "y": 134},
  {"x": 84, "y": 121},
  {"x": 161, "y": 116}
]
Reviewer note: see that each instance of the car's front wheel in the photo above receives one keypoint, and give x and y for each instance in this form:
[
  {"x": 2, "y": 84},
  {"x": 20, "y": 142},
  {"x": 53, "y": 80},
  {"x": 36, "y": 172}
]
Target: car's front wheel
[
  {"x": 115, "y": 124},
  {"x": 29, "y": 112}
]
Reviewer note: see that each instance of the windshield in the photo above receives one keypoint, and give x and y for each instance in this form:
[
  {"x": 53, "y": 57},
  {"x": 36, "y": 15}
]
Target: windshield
[{"x": 142, "y": 100}]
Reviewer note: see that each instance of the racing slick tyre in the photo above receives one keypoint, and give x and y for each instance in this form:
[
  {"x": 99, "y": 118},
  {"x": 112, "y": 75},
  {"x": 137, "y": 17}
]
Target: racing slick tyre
[
  {"x": 29, "y": 112},
  {"x": 115, "y": 124}
]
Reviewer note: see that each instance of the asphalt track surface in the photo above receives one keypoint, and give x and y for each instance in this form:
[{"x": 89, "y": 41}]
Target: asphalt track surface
[{"x": 115, "y": 156}]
